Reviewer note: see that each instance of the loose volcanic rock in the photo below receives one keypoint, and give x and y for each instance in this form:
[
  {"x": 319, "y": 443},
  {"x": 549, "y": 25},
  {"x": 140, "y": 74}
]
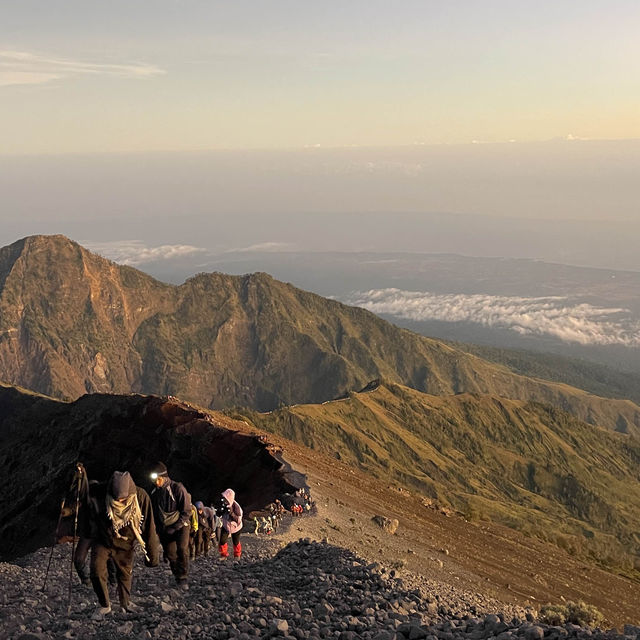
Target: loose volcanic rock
[{"x": 302, "y": 591}]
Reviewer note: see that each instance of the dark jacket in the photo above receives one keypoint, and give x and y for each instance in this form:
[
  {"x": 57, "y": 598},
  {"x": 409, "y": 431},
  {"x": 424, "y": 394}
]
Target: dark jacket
[
  {"x": 103, "y": 530},
  {"x": 206, "y": 519},
  {"x": 171, "y": 507}
]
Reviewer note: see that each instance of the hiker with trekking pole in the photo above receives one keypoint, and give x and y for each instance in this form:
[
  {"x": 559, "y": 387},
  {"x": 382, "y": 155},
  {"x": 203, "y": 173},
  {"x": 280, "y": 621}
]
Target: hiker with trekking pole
[
  {"x": 68, "y": 531},
  {"x": 123, "y": 521},
  {"x": 112, "y": 519}
]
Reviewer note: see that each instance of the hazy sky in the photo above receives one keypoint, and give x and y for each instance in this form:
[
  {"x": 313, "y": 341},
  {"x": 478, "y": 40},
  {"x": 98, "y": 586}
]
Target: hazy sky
[
  {"x": 481, "y": 127},
  {"x": 78, "y": 76}
]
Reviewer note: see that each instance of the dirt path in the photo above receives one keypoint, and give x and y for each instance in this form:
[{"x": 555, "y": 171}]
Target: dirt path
[{"x": 483, "y": 558}]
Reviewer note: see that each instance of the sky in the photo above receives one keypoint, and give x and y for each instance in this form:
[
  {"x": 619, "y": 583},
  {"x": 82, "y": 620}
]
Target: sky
[
  {"x": 177, "y": 75},
  {"x": 485, "y": 128}
]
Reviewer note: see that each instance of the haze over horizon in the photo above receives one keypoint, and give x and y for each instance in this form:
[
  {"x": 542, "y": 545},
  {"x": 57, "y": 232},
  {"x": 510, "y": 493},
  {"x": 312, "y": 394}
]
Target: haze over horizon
[{"x": 486, "y": 129}]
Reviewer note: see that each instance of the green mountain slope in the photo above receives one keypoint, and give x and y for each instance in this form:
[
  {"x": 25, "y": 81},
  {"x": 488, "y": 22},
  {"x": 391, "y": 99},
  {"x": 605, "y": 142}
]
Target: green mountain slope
[
  {"x": 523, "y": 464},
  {"x": 593, "y": 377},
  {"x": 72, "y": 322}
]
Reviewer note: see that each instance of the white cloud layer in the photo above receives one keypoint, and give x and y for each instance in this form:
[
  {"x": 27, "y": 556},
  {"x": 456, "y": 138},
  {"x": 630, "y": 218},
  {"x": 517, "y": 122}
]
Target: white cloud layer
[
  {"x": 135, "y": 252},
  {"x": 552, "y": 316},
  {"x": 23, "y": 67},
  {"x": 263, "y": 246}
]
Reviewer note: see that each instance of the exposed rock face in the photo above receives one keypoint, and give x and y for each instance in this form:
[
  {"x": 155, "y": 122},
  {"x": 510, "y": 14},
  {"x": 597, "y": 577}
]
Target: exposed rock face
[
  {"x": 72, "y": 322},
  {"x": 41, "y": 439}
]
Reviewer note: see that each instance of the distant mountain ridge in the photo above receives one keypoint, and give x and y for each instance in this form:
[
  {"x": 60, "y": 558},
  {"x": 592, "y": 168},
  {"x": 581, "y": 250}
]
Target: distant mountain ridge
[
  {"x": 599, "y": 379},
  {"x": 72, "y": 322}
]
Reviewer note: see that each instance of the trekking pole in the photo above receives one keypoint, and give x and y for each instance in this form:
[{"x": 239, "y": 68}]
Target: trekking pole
[
  {"x": 80, "y": 470},
  {"x": 53, "y": 544}
]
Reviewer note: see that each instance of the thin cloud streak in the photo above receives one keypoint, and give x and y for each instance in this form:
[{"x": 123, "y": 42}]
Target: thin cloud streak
[
  {"x": 271, "y": 247},
  {"x": 23, "y": 68},
  {"x": 552, "y": 316},
  {"x": 135, "y": 252}
]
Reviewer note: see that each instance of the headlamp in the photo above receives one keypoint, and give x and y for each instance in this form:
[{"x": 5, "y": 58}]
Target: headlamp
[{"x": 154, "y": 476}]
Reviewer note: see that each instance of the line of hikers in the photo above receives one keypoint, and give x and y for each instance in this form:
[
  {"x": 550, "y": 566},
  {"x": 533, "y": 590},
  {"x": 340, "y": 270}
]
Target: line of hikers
[{"x": 117, "y": 516}]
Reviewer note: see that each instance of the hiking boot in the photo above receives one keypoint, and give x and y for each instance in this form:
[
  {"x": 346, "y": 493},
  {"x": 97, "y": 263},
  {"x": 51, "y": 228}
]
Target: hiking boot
[
  {"x": 101, "y": 612},
  {"x": 130, "y": 607},
  {"x": 183, "y": 585}
]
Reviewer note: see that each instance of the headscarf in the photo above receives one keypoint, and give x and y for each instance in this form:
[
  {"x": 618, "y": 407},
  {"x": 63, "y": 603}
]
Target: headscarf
[
  {"x": 121, "y": 486},
  {"x": 229, "y": 495}
]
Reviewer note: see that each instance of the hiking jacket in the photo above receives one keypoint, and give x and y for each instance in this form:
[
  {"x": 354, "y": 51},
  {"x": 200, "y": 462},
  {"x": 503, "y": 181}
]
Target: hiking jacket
[
  {"x": 102, "y": 529},
  {"x": 232, "y": 520},
  {"x": 171, "y": 507},
  {"x": 206, "y": 519}
]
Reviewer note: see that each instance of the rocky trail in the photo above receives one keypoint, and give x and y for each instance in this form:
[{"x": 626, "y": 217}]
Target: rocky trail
[{"x": 305, "y": 589}]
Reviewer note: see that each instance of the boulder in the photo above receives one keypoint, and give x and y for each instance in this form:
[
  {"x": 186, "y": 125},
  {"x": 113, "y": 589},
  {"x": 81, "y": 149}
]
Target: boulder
[{"x": 390, "y": 525}]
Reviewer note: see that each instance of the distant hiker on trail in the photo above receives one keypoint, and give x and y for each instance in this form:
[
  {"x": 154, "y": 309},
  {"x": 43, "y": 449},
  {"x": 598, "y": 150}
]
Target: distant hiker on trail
[
  {"x": 231, "y": 513},
  {"x": 206, "y": 523},
  {"x": 266, "y": 525},
  {"x": 172, "y": 511},
  {"x": 122, "y": 520}
]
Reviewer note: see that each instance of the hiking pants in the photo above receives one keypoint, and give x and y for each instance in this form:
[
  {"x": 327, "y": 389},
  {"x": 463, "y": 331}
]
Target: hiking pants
[
  {"x": 224, "y": 536},
  {"x": 203, "y": 536},
  {"x": 123, "y": 560},
  {"x": 176, "y": 550},
  {"x": 80, "y": 558},
  {"x": 82, "y": 566}
]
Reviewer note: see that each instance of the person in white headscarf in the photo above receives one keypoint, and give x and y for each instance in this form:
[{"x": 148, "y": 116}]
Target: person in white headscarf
[
  {"x": 231, "y": 513},
  {"x": 123, "y": 520}
]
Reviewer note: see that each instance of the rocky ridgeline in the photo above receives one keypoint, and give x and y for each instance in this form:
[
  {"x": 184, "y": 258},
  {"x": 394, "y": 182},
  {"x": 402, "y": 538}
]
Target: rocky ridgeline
[{"x": 305, "y": 590}]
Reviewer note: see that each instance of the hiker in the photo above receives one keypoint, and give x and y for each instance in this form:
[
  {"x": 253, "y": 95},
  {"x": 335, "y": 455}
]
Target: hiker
[
  {"x": 205, "y": 529},
  {"x": 172, "y": 511},
  {"x": 217, "y": 526},
  {"x": 231, "y": 513},
  {"x": 87, "y": 494},
  {"x": 266, "y": 525},
  {"x": 277, "y": 511},
  {"x": 193, "y": 531},
  {"x": 122, "y": 520}
]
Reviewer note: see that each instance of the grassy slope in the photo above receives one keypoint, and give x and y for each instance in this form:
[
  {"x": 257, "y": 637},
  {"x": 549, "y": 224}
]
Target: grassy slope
[
  {"x": 522, "y": 464},
  {"x": 593, "y": 377}
]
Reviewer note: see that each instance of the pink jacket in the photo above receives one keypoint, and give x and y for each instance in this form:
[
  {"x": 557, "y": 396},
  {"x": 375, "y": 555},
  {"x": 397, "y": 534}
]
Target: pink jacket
[{"x": 232, "y": 521}]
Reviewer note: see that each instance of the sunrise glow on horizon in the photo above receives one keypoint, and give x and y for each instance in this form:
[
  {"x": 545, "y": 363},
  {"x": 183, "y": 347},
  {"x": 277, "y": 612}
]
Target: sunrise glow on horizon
[{"x": 173, "y": 76}]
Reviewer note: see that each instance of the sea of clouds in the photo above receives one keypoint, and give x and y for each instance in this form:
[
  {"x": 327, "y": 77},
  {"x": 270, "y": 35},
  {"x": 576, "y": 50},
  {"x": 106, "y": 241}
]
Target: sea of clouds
[
  {"x": 557, "y": 316},
  {"x": 135, "y": 252}
]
